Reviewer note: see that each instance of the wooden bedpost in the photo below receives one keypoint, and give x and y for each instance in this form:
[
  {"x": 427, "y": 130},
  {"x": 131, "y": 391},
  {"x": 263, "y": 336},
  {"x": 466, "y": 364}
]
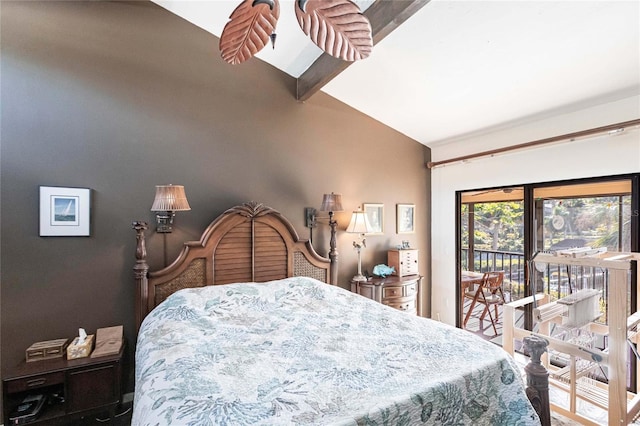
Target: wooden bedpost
[
  {"x": 537, "y": 378},
  {"x": 333, "y": 252},
  {"x": 140, "y": 270}
]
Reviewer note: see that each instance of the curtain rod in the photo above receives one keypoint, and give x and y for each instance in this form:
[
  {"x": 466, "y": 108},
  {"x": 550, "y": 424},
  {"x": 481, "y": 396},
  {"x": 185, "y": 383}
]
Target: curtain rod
[{"x": 569, "y": 136}]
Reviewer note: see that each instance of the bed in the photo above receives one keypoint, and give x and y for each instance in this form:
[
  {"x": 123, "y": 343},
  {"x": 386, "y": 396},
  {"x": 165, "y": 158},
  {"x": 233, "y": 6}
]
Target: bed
[{"x": 276, "y": 346}]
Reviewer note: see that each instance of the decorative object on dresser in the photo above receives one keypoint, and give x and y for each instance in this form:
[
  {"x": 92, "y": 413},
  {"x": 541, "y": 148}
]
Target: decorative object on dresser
[
  {"x": 383, "y": 270},
  {"x": 405, "y": 218},
  {"x": 405, "y": 245},
  {"x": 375, "y": 214},
  {"x": 401, "y": 293},
  {"x": 168, "y": 200},
  {"x": 359, "y": 224},
  {"x": 71, "y": 388},
  {"x": 46, "y": 350},
  {"x": 109, "y": 340},
  {"x": 65, "y": 212},
  {"x": 404, "y": 261}
]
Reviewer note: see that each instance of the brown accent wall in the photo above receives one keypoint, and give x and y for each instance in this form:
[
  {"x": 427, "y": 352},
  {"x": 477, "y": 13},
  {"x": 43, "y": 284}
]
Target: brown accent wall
[{"x": 119, "y": 97}]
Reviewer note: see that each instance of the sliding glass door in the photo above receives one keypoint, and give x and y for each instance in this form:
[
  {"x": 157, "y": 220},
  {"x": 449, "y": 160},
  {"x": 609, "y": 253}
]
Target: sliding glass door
[
  {"x": 492, "y": 239},
  {"x": 595, "y": 216},
  {"x": 501, "y": 229}
]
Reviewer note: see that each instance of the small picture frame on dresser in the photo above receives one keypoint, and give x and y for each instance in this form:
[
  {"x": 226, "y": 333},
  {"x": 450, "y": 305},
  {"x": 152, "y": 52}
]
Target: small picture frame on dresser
[
  {"x": 375, "y": 214},
  {"x": 405, "y": 218}
]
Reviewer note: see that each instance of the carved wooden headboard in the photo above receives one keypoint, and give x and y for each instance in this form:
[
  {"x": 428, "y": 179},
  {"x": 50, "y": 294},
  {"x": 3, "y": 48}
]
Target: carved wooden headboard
[{"x": 247, "y": 243}]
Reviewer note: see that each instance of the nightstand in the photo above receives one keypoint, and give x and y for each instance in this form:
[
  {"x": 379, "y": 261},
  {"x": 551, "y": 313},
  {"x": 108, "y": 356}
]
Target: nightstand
[
  {"x": 74, "y": 388},
  {"x": 401, "y": 293}
]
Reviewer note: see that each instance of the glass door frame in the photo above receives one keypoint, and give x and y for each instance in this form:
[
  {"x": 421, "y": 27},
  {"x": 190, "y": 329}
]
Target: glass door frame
[{"x": 530, "y": 230}]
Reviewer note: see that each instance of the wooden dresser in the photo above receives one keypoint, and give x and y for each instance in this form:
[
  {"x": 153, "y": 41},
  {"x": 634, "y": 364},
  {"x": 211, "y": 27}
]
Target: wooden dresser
[
  {"x": 402, "y": 293},
  {"x": 74, "y": 388}
]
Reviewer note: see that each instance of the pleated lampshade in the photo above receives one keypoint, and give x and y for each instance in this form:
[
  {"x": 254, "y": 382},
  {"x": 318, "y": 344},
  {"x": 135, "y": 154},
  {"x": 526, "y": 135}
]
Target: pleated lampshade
[
  {"x": 331, "y": 203},
  {"x": 170, "y": 198}
]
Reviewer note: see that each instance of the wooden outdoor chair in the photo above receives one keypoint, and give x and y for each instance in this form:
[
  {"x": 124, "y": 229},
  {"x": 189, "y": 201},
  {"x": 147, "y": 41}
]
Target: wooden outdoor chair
[{"x": 488, "y": 293}]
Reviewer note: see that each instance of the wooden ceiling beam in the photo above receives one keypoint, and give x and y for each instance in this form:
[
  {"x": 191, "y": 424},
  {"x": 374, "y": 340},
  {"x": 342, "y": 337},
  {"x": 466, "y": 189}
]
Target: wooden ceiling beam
[{"x": 384, "y": 16}]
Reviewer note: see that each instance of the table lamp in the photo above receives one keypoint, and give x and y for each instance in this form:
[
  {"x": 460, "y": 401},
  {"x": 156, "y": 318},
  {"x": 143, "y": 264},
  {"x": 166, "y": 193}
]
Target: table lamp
[{"x": 359, "y": 225}]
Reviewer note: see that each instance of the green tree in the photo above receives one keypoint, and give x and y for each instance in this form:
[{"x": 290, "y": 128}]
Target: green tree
[
  {"x": 499, "y": 226},
  {"x": 593, "y": 219}
]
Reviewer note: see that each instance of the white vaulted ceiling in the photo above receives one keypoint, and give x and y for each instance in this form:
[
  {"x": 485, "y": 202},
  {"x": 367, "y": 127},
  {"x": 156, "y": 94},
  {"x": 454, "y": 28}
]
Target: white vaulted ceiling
[{"x": 461, "y": 67}]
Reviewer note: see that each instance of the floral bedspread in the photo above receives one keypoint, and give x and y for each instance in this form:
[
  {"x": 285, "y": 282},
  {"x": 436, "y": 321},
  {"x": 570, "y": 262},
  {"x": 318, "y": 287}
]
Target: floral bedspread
[{"x": 301, "y": 352}]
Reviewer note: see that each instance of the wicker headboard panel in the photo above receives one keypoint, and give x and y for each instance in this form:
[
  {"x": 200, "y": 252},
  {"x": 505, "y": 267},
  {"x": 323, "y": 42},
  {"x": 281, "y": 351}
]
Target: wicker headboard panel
[{"x": 247, "y": 243}]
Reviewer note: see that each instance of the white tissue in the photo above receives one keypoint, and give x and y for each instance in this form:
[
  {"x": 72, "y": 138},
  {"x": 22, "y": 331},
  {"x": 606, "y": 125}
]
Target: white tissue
[{"x": 81, "y": 335}]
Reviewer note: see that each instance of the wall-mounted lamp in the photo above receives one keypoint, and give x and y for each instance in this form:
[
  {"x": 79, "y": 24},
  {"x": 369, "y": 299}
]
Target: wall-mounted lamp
[
  {"x": 359, "y": 224},
  {"x": 330, "y": 203},
  {"x": 169, "y": 199}
]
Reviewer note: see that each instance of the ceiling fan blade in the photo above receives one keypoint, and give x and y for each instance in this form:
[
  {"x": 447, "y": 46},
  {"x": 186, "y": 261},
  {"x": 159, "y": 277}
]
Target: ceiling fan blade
[
  {"x": 249, "y": 29},
  {"x": 490, "y": 191},
  {"x": 337, "y": 27}
]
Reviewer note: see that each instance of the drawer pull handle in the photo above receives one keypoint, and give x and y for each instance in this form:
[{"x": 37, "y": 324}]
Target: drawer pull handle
[{"x": 36, "y": 382}]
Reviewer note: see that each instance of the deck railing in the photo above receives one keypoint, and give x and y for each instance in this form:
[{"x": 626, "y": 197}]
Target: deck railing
[
  {"x": 495, "y": 260},
  {"x": 558, "y": 281}
]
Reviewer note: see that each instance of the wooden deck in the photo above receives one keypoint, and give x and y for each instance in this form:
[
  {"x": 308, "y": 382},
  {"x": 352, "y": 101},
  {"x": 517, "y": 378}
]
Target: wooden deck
[{"x": 483, "y": 328}]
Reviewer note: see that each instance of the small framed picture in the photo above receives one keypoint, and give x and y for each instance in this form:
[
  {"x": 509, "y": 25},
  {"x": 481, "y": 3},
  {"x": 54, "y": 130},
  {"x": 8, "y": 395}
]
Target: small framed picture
[
  {"x": 405, "y": 218},
  {"x": 375, "y": 214},
  {"x": 64, "y": 212}
]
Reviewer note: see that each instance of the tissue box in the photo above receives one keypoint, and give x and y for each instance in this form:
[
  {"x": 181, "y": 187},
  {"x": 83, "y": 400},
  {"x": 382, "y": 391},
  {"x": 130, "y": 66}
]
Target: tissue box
[
  {"x": 46, "y": 350},
  {"x": 75, "y": 350}
]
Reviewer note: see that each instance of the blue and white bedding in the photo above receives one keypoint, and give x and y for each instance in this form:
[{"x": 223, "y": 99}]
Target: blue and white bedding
[{"x": 301, "y": 352}]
